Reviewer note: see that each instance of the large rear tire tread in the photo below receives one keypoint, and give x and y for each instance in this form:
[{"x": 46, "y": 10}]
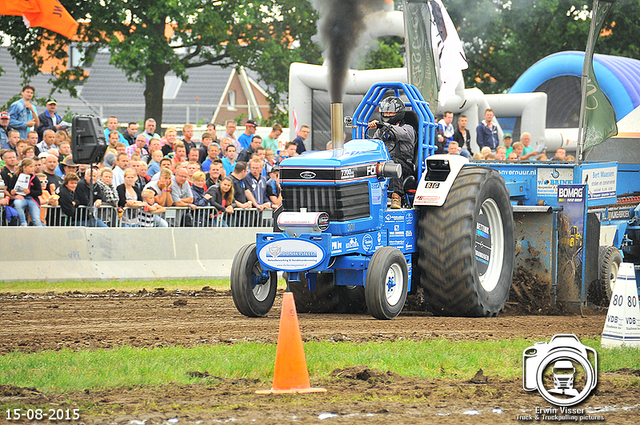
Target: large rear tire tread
[
  {"x": 245, "y": 270},
  {"x": 446, "y": 245}
]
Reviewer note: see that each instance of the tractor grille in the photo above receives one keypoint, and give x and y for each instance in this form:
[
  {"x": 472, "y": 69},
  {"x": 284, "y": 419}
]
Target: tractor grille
[{"x": 342, "y": 203}]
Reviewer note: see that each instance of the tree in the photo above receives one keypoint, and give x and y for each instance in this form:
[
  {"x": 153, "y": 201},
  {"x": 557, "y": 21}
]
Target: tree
[
  {"x": 503, "y": 38},
  {"x": 147, "y": 40}
]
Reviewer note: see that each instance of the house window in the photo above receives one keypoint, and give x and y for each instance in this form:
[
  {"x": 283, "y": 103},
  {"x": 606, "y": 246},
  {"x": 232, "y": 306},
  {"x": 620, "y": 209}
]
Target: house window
[
  {"x": 172, "y": 86},
  {"x": 76, "y": 56},
  {"x": 231, "y": 100}
]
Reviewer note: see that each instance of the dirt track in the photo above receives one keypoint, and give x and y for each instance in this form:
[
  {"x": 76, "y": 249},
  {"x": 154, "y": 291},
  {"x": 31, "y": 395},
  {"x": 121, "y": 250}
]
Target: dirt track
[
  {"x": 44, "y": 322},
  {"x": 32, "y": 323}
]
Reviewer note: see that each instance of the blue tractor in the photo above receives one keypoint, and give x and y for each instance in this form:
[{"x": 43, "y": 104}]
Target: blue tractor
[{"x": 342, "y": 249}]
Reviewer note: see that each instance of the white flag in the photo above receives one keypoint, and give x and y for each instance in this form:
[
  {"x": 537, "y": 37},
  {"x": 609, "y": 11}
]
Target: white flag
[{"x": 448, "y": 47}]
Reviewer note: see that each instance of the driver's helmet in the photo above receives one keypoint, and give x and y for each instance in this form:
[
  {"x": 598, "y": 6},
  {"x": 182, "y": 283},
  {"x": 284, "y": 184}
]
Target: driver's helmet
[{"x": 394, "y": 105}]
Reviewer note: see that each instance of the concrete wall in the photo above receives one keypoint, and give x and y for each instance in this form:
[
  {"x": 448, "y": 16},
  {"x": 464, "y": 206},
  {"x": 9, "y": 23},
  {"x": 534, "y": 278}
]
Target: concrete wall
[{"x": 80, "y": 253}]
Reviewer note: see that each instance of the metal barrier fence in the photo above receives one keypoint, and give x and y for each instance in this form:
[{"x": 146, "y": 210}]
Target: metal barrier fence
[{"x": 107, "y": 216}]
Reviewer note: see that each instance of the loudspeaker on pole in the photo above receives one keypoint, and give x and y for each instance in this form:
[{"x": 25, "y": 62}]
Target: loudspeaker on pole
[{"x": 88, "y": 142}]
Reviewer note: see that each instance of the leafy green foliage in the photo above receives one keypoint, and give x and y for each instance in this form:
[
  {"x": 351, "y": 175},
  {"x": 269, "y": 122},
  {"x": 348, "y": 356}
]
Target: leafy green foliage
[
  {"x": 388, "y": 53},
  {"x": 147, "y": 40},
  {"x": 503, "y": 38}
]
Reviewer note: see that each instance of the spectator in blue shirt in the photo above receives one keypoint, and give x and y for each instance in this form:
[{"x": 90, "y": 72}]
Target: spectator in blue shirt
[{"x": 24, "y": 115}]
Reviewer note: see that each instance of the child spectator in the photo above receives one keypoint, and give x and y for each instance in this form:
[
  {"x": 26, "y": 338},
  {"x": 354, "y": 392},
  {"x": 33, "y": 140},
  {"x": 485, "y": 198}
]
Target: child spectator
[
  {"x": 162, "y": 188},
  {"x": 109, "y": 193},
  {"x": 46, "y": 198},
  {"x": 130, "y": 198},
  {"x": 69, "y": 203},
  {"x": 518, "y": 148},
  {"x": 269, "y": 159},
  {"x": 201, "y": 199},
  {"x": 151, "y": 210},
  {"x": 25, "y": 188},
  {"x": 154, "y": 165}
]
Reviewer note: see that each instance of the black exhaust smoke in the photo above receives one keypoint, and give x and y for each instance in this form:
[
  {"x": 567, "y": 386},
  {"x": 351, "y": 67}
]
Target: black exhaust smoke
[{"x": 340, "y": 25}]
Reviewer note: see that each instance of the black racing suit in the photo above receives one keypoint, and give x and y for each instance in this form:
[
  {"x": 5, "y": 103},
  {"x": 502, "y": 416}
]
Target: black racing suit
[{"x": 400, "y": 141}]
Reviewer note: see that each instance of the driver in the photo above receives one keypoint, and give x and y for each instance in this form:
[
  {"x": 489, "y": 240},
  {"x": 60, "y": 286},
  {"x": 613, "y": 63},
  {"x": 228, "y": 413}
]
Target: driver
[{"x": 399, "y": 138}]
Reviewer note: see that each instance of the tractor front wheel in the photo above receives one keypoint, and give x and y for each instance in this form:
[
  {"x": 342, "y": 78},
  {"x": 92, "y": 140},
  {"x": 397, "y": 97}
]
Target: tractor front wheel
[
  {"x": 385, "y": 289},
  {"x": 252, "y": 290}
]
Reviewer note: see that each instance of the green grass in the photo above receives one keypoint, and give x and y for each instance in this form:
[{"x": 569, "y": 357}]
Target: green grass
[
  {"x": 70, "y": 371},
  {"x": 42, "y": 286}
]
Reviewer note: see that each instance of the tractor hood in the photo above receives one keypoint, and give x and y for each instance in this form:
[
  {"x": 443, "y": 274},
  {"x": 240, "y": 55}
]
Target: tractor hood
[{"x": 358, "y": 160}]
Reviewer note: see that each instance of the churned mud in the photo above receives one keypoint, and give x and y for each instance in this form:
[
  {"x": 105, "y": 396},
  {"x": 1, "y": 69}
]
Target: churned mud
[{"x": 357, "y": 394}]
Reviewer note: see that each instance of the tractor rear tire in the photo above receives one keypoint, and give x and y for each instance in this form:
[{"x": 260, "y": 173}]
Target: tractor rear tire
[
  {"x": 609, "y": 259},
  {"x": 252, "y": 295},
  {"x": 327, "y": 297},
  {"x": 466, "y": 247},
  {"x": 385, "y": 288}
]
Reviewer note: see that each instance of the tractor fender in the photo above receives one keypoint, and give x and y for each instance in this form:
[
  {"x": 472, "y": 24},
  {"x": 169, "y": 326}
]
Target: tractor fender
[{"x": 437, "y": 179}]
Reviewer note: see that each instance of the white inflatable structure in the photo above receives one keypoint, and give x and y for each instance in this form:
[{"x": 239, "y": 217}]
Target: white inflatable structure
[{"x": 531, "y": 108}]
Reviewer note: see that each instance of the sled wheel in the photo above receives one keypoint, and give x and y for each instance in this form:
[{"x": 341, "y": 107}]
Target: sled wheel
[
  {"x": 466, "y": 247},
  {"x": 253, "y": 294},
  {"x": 609, "y": 259},
  {"x": 385, "y": 289}
]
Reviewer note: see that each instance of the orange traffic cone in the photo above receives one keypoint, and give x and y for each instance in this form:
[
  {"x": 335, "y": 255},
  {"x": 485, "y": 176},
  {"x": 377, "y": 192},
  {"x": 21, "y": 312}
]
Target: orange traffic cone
[{"x": 290, "y": 374}]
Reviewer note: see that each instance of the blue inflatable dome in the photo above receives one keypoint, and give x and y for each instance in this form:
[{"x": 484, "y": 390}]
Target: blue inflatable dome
[{"x": 559, "y": 74}]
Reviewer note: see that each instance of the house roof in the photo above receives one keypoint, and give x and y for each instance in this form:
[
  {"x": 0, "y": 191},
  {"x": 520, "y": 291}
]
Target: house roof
[{"x": 108, "y": 92}]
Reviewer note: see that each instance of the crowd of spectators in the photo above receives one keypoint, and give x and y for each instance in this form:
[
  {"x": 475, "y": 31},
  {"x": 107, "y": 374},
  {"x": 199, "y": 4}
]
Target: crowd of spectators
[
  {"x": 142, "y": 173},
  {"x": 457, "y": 141}
]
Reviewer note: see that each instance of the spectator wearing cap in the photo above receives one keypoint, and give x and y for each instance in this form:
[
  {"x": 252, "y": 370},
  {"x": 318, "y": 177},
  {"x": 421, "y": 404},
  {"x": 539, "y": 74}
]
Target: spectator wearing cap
[
  {"x": 4, "y": 129},
  {"x": 68, "y": 166},
  {"x": 23, "y": 113},
  {"x": 506, "y": 142},
  {"x": 49, "y": 119},
  {"x": 246, "y": 137}
]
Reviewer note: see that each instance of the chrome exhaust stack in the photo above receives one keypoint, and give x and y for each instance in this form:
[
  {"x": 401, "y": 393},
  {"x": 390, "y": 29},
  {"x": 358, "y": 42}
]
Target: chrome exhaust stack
[{"x": 337, "y": 126}]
